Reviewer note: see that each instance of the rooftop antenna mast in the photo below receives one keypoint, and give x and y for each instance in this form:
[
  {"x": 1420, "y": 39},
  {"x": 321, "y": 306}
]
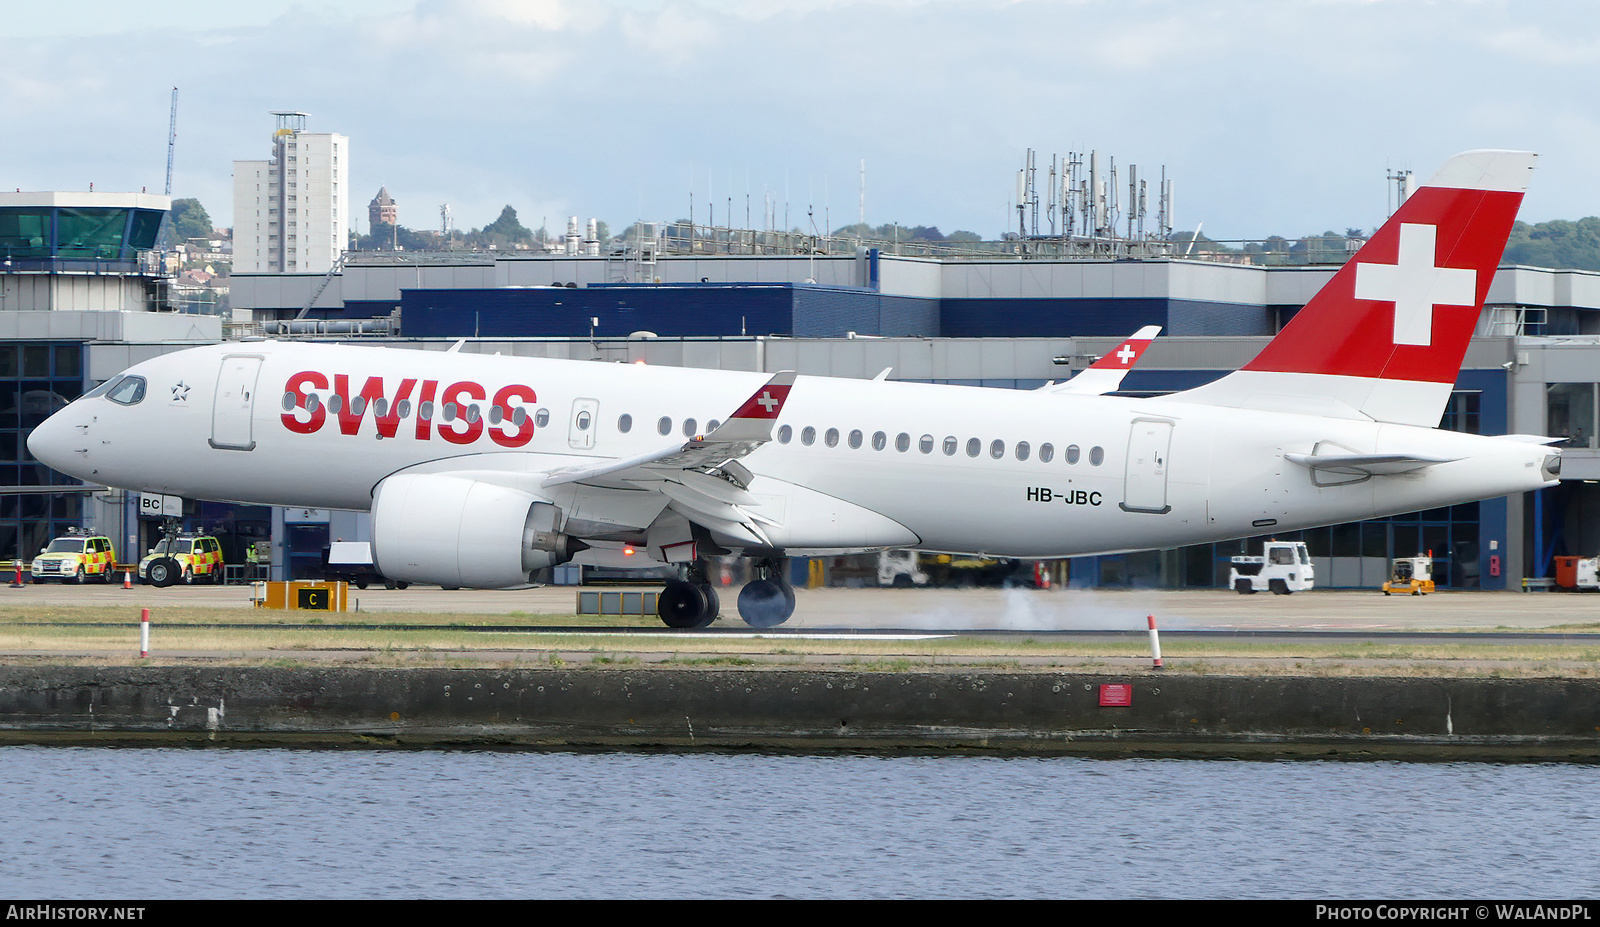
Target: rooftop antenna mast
[{"x": 172, "y": 137}]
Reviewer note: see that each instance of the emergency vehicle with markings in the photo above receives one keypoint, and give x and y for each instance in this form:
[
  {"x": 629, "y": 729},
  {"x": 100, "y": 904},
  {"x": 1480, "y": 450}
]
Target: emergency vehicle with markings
[
  {"x": 76, "y": 558},
  {"x": 183, "y": 559}
]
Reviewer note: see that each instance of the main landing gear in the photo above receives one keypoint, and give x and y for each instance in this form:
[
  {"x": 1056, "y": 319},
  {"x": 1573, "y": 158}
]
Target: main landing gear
[{"x": 692, "y": 602}]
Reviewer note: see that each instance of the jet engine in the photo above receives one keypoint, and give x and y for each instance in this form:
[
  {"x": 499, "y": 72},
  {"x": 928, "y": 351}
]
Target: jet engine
[{"x": 453, "y": 531}]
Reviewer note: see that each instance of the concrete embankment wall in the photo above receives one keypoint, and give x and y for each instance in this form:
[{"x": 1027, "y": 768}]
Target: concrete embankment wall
[{"x": 795, "y": 709}]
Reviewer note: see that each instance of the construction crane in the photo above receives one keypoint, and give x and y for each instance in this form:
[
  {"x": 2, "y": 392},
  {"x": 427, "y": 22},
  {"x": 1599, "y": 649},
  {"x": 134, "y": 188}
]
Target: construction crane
[{"x": 172, "y": 137}]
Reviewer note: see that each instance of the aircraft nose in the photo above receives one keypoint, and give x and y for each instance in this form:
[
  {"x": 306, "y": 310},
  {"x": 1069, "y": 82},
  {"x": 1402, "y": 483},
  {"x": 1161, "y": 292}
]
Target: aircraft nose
[{"x": 51, "y": 440}]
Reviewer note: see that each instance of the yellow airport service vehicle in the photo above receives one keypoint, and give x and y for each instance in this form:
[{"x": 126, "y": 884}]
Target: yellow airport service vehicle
[
  {"x": 76, "y": 558},
  {"x": 1412, "y": 575},
  {"x": 182, "y": 559}
]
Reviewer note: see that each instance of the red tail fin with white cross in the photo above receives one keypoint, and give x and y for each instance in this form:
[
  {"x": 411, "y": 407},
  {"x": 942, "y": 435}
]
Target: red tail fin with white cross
[{"x": 1384, "y": 338}]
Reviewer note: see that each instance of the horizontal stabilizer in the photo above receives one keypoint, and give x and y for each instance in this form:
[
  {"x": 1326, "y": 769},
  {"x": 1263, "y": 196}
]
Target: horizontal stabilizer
[{"x": 1367, "y": 464}]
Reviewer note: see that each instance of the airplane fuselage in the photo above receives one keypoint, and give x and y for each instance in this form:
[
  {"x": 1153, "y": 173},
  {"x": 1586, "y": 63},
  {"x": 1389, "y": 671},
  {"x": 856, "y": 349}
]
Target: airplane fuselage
[{"x": 856, "y": 464}]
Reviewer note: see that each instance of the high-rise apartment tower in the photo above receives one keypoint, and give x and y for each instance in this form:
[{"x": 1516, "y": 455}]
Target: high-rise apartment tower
[{"x": 291, "y": 214}]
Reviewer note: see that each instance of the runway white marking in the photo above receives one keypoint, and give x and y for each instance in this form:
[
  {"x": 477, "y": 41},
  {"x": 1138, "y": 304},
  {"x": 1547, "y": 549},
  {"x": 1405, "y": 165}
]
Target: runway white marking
[{"x": 751, "y": 635}]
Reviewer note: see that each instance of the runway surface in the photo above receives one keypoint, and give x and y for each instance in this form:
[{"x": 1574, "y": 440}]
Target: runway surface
[{"x": 954, "y": 609}]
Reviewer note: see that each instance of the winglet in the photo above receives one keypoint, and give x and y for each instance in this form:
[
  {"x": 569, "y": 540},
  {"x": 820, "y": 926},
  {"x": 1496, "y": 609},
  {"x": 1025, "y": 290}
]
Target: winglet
[
  {"x": 753, "y": 420},
  {"x": 1105, "y": 374}
]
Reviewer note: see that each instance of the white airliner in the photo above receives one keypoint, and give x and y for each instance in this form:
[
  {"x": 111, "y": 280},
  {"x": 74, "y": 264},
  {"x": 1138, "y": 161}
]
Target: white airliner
[{"x": 480, "y": 470}]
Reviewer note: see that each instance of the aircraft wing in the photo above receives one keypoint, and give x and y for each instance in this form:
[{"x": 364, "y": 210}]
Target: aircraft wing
[
  {"x": 1105, "y": 374},
  {"x": 701, "y": 478}
]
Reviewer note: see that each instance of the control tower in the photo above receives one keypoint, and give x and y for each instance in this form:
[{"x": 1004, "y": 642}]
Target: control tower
[{"x": 80, "y": 250}]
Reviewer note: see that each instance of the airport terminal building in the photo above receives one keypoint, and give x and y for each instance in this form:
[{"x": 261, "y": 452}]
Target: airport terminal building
[{"x": 82, "y": 296}]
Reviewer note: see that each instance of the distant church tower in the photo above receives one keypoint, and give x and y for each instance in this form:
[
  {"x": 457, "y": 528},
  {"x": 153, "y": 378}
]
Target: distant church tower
[{"x": 382, "y": 209}]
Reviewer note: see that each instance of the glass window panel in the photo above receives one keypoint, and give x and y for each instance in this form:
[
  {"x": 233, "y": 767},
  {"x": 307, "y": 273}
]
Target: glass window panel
[
  {"x": 1374, "y": 539},
  {"x": 36, "y": 360},
  {"x": 90, "y": 234},
  {"x": 69, "y": 361},
  {"x": 1347, "y": 540},
  {"x": 8, "y": 360},
  {"x": 24, "y": 233},
  {"x": 146, "y": 224},
  {"x": 1569, "y": 413}
]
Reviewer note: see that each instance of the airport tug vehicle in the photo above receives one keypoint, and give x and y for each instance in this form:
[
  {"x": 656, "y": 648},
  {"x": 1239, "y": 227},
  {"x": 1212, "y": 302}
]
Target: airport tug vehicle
[
  {"x": 1284, "y": 567},
  {"x": 1412, "y": 575}
]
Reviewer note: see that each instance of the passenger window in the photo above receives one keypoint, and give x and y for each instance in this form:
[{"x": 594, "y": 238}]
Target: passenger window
[
  {"x": 496, "y": 414},
  {"x": 449, "y": 410},
  {"x": 784, "y": 434},
  {"x": 335, "y": 403},
  {"x": 380, "y": 407},
  {"x": 625, "y": 423},
  {"x": 902, "y": 442},
  {"x": 925, "y": 444},
  {"x": 1072, "y": 453},
  {"x": 974, "y": 447},
  {"x": 1022, "y": 450},
  {"x": 313, "y": 402},
  {"x": 950, "y": 445},
  {"x": 517, "y": 417},
  {"x": 712, "y": 426},
  {"x": 472, "y": 415},
  {"x": 665, "y": 425},
  {"x": 582, "y": 421},
  {"x": 688, "y": 427},
  {"x": 1097, "y": 456},
  {"x": 130, "y": 390},
  {"x": 1047, "y": 453},
  {"x": 855, "y": 438},
  {"x": 541, "y": 418},
  {"x": 808, "y": 436},
  {"x": 424, "y": 411},
  {"x": 997, "y": 449},
  {"x": 831, "y": 438},
  {"x": 402, "y": 409}
]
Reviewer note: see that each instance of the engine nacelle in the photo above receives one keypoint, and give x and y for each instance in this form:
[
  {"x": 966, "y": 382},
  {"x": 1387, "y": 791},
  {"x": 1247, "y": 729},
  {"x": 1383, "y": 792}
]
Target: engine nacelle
[{"x": 434, "y": 528}]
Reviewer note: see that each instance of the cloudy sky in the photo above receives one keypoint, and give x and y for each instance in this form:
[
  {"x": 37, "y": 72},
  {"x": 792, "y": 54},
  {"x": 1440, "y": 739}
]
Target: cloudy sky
[{"x": 1272, "y": 117}]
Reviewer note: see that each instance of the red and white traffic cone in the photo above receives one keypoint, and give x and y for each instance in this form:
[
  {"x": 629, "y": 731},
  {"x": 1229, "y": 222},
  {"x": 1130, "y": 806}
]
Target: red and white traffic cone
[{"x": 127, "y": 579}]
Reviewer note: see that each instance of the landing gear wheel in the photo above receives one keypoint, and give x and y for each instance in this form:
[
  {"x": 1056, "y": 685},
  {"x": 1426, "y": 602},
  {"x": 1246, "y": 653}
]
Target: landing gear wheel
[
  {"x": 766, "y": 603},
  {"x": 713, "y": 604},
  {"x": 163, "y": 572},
  {"x": 683, "y": 604}
]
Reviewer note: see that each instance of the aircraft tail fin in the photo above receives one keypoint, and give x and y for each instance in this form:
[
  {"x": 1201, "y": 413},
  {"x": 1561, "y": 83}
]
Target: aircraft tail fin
[{"x": 1385, "y": 337}]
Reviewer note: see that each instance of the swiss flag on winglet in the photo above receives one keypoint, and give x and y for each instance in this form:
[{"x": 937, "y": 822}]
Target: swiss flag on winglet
[
  {"x": 1405, "y": 306},
  {"x": 1127, "y": 353},
  {"x": 768, "y": 400}
]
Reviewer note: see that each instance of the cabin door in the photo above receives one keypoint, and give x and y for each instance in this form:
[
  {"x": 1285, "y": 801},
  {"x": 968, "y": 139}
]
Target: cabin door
[{"x": 233, "y": 403}]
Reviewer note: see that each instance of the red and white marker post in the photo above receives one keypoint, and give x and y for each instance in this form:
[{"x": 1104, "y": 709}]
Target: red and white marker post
[
  {"x": 144, "y": 632},
  {"x": 1155, "y": 643}
]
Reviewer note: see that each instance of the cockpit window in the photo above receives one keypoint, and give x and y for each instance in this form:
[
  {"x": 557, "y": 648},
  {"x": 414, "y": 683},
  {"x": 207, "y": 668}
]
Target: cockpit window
[
  {"x": 103, "y": 388},
  {"x": 129, "y": 390}
]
